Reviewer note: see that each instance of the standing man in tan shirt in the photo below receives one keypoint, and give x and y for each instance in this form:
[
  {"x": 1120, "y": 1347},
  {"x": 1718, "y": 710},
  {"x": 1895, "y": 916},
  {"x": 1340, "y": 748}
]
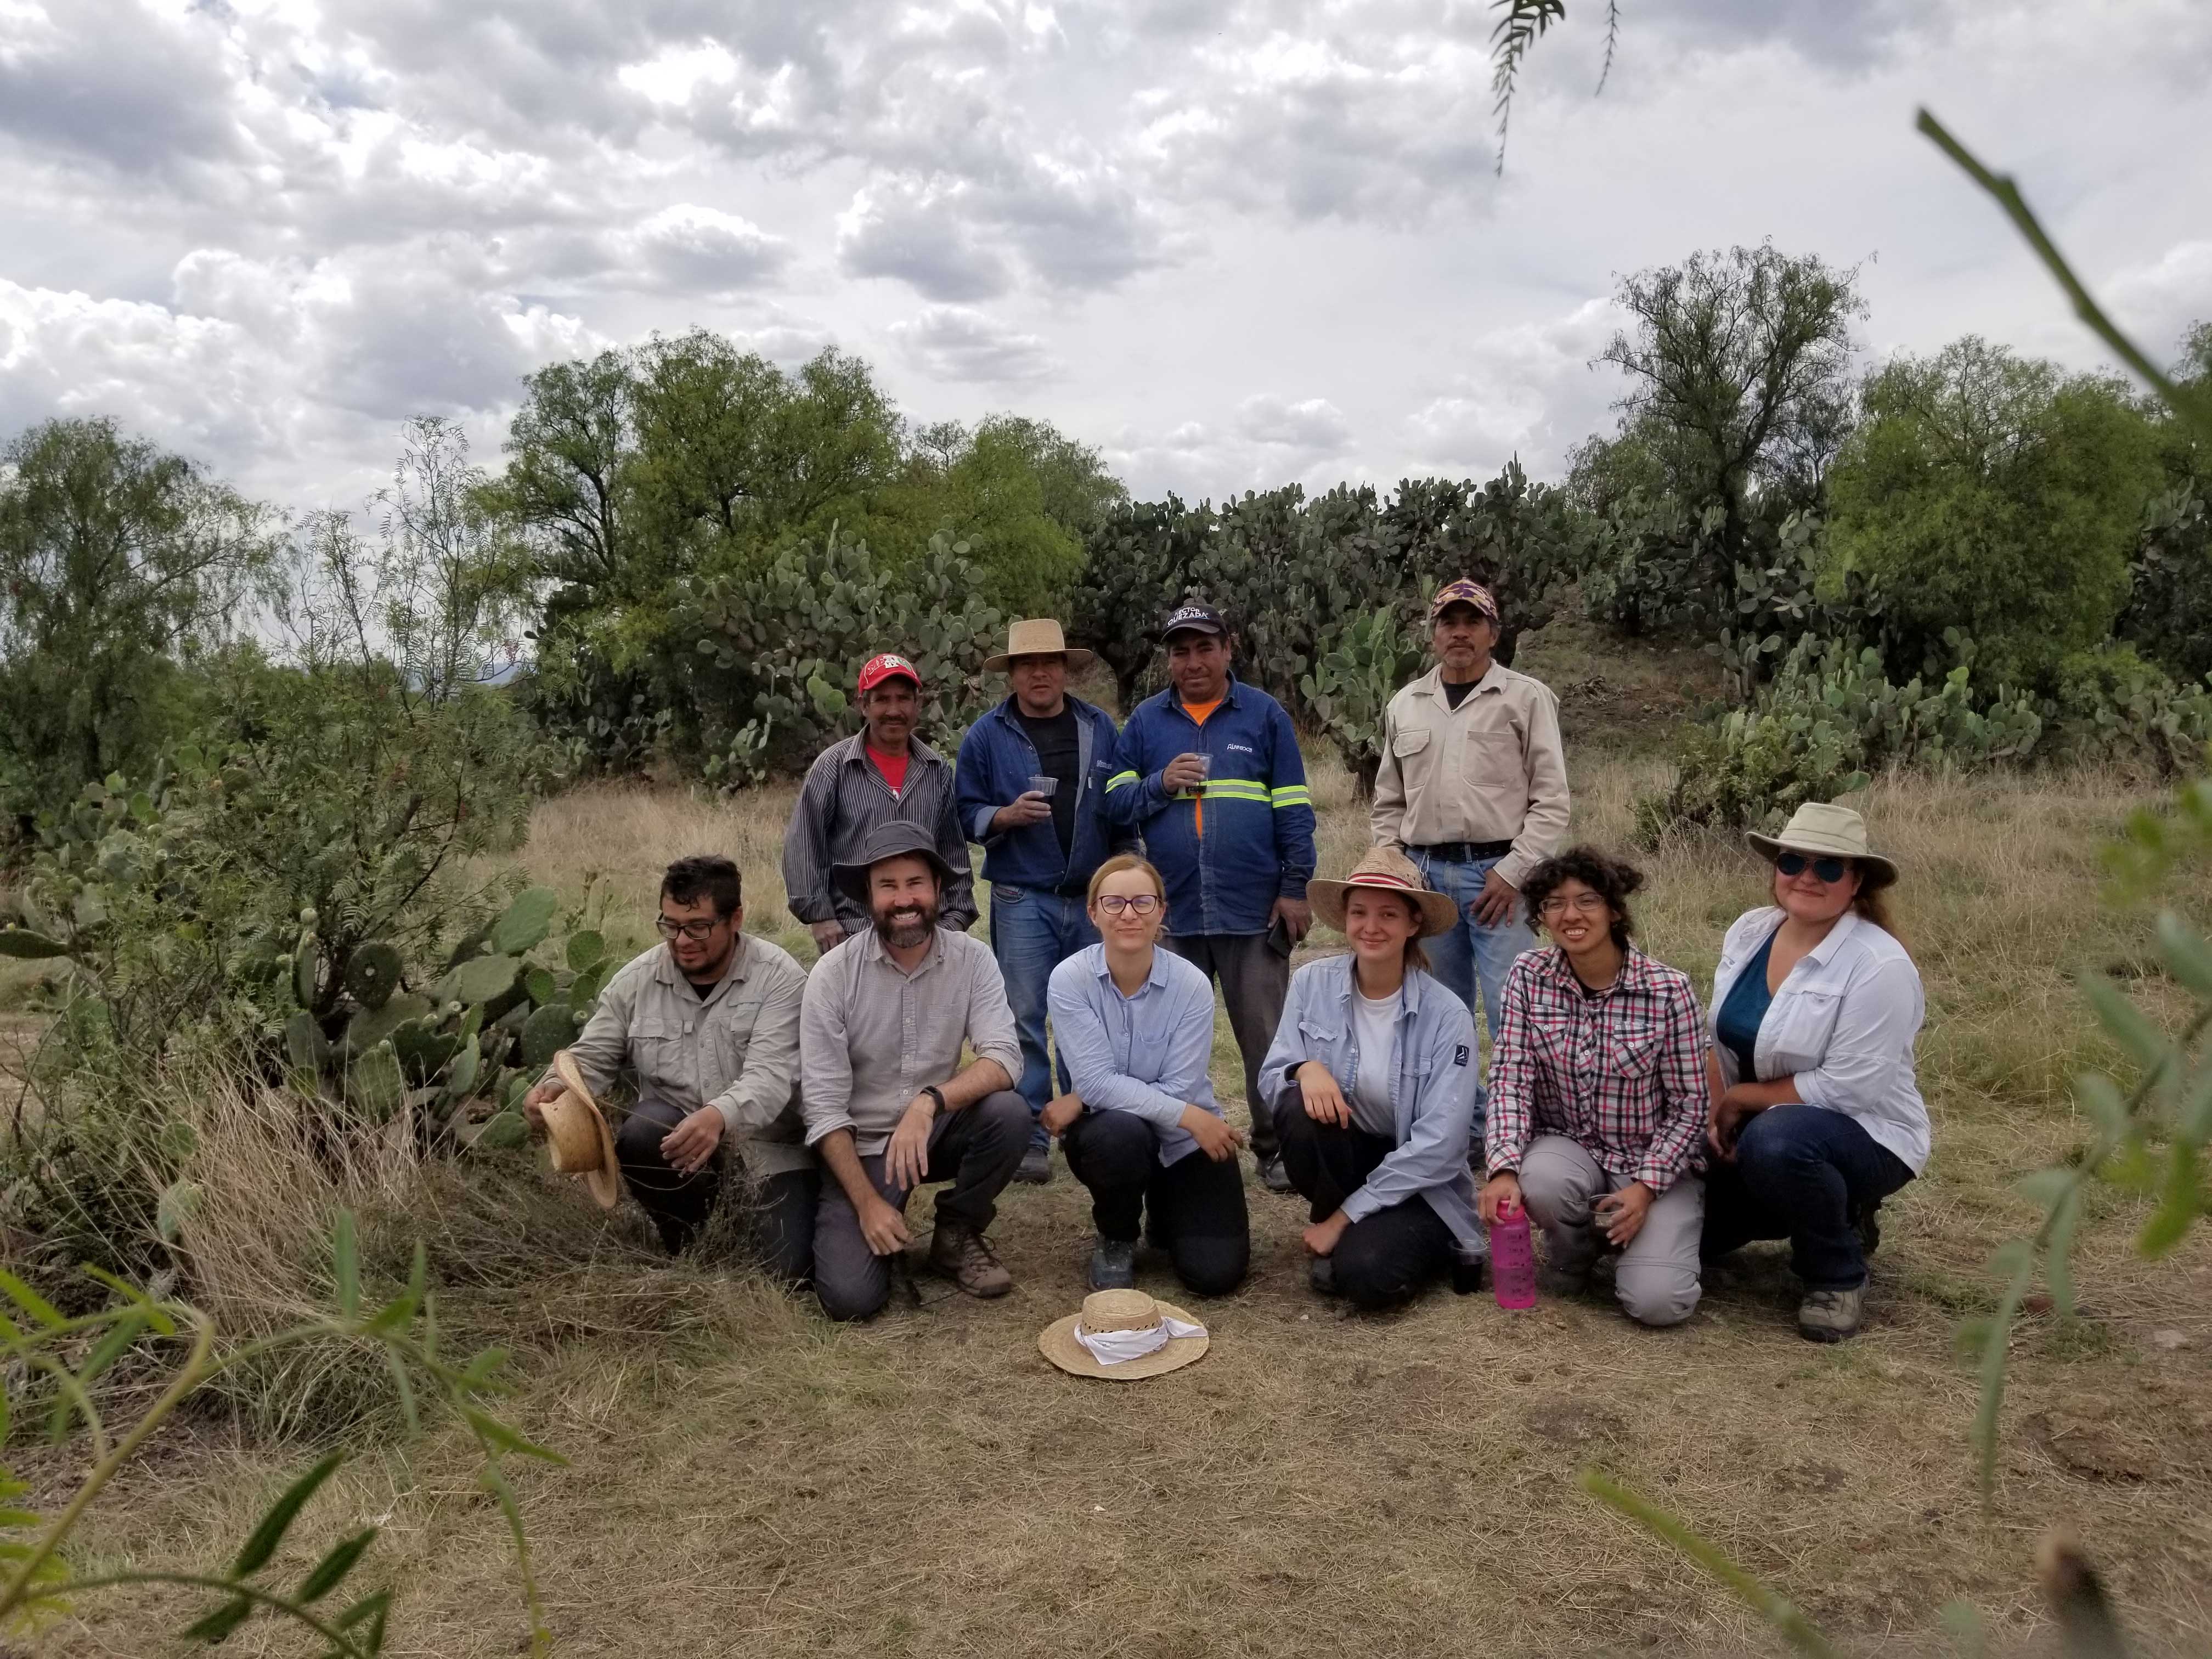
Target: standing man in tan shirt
[{"x": 1473, "y": 786}]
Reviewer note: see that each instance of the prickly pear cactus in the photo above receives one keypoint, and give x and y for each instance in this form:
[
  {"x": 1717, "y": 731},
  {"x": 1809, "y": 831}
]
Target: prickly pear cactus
[{"x": 374, "y": 973}]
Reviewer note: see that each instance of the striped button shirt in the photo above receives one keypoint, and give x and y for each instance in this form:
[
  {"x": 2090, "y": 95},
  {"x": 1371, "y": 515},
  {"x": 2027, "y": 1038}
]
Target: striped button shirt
[
  {"x": 1621, "y": 1073},
  {"x": 844, "y": 801}
]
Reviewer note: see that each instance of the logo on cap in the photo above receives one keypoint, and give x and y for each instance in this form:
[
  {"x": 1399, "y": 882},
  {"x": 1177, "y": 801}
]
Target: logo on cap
[
  {"x": 1202, "y": 618},
  {"x": 887, "y": 665},
  {"x": 1463, "y": 592}
]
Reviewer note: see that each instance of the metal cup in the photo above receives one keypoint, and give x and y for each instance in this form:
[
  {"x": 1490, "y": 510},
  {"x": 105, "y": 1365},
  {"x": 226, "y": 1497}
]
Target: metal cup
[{"x": 1042, "y": 785}]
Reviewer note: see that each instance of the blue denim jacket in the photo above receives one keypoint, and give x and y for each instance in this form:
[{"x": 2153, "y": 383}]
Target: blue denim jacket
[
  {"x": 1432, "y": 1096},
  {"x": 997, "y": 760},
  {"x": 1145, "y": 1054}
]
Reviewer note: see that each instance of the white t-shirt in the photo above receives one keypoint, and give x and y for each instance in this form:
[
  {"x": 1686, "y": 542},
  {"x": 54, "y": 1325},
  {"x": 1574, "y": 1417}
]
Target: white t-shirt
[{"x": 1376, "y": 1026}]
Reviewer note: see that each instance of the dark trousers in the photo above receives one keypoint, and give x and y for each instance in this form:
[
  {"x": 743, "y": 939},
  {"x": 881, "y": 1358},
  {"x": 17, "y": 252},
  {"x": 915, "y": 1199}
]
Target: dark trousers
[
  {"x": 1805, "y": 1173},
  {"x": 1255, "y": 978},
  {"x": 1384, "y": 1258},
  {"x": 977, "y": 1150},
  {"x": 780, "y": 1224},
  {"x": 1196, "y": 1205}
]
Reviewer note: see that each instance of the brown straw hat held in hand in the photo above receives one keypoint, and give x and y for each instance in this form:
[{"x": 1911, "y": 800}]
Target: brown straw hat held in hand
[
  {"x": 1386, "y": 869},
  {"x": 576, "y": 1131},
  {"x": 1157, "y": 1336}
]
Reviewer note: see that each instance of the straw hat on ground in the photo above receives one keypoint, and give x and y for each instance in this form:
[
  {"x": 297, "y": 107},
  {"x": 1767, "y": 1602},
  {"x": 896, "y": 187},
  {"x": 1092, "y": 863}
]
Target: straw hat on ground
[
  {"x": 1821, "y": 829},
  {"x": 1109, "y": 1312},
  {"x": 1038, "y": 636},
  {"x": 1388, "y": 871},
  {"x": 576, "y": 1130}
]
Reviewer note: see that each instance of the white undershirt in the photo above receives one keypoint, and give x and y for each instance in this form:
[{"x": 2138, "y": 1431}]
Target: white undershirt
[{"x": 1375, "y": 1025}]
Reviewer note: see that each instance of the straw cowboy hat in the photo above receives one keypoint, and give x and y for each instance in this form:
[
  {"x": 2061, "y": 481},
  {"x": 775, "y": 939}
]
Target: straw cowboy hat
[
  {"x": 1038, "y": 636},
  {"x": 1822, "y": 829},
  {"x": 898, "y": 838},
  {"x": 577, "y": 1132},
  {"x": 1158, "y": 1335},
  {"x": 1389, "y": 871}
]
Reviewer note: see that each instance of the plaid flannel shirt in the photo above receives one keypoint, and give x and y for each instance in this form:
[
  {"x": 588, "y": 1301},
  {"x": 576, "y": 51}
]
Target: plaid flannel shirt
[{"x": 1622, "y": 1074}]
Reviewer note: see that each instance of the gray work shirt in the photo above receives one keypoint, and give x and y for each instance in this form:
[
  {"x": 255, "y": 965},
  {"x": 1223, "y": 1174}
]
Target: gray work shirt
[
  {"x": 736, "y": 1048},
  {"x": 843, "y": 802},
  {"x": 871, "y": 1036}
]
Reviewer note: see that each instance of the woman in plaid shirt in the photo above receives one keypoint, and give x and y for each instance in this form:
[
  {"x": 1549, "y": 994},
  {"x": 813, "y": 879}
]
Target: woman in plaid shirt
[{"x": 1598, "y": 1094}]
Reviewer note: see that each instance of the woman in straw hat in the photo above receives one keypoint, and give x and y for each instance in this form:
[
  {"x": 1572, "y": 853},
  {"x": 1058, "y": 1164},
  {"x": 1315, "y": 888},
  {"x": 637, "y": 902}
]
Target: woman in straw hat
[
  {"x": 1598, "y": 1094},
  {"x": 1816, "y": 1117},
  {"x": 1142, "y": 1129},
  {"x": 1372, "y": 1078}
]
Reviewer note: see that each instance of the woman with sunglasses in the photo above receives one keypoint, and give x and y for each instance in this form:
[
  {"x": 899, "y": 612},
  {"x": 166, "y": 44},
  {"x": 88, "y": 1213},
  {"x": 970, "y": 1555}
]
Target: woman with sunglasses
[
  {"x": 1816, "y": 1117},
  {"x": 1142, "y": 1130}
]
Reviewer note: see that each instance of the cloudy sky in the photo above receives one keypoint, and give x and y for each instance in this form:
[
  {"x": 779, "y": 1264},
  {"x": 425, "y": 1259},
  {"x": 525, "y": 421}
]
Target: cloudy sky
[{"x": 1233, "y": 243}]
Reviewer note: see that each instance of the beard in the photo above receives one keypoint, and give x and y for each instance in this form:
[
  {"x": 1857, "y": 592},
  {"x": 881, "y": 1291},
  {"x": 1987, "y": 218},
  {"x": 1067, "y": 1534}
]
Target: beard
[{"x": 907, "y": 925}]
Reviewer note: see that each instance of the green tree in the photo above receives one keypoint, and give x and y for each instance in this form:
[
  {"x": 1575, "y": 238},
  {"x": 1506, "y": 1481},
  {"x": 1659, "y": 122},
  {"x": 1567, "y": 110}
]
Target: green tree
[
  {"x": 116, "y": 561},
  {"x": 566, "y": 483},
  {"x": 1995, "y": 495}
]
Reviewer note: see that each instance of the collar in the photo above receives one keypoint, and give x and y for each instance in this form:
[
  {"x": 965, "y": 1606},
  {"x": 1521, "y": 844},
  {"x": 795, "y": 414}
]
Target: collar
[
  {"x": 1409, "y": 992},
  {"x": 1153, "y": 981},
  {"x": 1006, "y": 709},
  {"x": 1824, "y": 952},
  {"x": 1432, "y": 682},
  {"x": 665, "y": 970},
  {"x": 1635, "y": 973},
  {"x": 874, "y": 951},
  {"x": 918, "y": 753}
]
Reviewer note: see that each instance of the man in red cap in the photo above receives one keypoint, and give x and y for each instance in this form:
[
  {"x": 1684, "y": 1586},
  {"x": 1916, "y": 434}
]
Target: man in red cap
[{"x": 883, "y": 774}]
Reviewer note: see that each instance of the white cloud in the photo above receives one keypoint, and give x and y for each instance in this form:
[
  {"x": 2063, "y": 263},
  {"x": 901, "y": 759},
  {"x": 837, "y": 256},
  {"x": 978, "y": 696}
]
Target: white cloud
[
  {"x": 958, "y": 342},
  {"x": 1527, "y": 389},
  {"x": 1311, "y": 427},
  {"x": 2161, "y": 301}
]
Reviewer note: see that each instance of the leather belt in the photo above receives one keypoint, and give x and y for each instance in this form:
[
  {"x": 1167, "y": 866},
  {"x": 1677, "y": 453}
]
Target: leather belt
[{"x": 1466, "y": 851}]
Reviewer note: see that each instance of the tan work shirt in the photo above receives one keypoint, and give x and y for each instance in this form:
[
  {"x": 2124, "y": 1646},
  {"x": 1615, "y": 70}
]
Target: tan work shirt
[
  {"x": 1491, "y": 769},
  {"x": 736, "y": 1048}
]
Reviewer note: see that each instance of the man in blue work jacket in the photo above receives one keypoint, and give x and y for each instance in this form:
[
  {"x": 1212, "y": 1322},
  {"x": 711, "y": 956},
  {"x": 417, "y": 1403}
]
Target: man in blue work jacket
[
  {"x": 1029, "y": 786},
  {"x": 1209, "y": 770}
]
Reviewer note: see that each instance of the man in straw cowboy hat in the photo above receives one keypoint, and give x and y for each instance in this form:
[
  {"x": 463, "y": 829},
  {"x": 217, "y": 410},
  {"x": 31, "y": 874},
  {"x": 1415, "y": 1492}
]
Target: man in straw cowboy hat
[
  {"x": 883, "y": 774},
  {"x": 709, "y": 1022},
  {"x": 1209, "y": 772},
  {"x": 1030, "y": 787},
  {"x": 889, "y": 1107}
]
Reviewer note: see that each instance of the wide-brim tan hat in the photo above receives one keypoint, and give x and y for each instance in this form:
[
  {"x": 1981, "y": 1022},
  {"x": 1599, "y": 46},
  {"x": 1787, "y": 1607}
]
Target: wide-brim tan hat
[
  {"x": 1105, "y": 1311},
  {"x": 576, "y": 1130},
  {"x": 1824, "y": 829},
  {"x": 1038, "y": 636},
  {"x": 1385, "y": 870}
]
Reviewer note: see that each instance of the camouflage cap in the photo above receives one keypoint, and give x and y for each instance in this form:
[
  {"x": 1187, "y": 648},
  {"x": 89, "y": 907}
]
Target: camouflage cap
[{"x": 1463, "y": 592}]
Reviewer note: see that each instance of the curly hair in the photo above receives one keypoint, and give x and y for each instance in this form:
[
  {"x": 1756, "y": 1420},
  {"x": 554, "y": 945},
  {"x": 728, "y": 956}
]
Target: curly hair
[
  {"x": 704, "y": 876},
  {"x": 1611, "y": 878}
]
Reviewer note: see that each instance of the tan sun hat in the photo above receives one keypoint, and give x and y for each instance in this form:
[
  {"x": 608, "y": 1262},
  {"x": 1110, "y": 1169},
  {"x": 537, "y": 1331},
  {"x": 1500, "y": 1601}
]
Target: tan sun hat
[
  {"x": 1112, "y": 1313},
  {"x": 1389, "y": 871},
  {"x": 576, "y": 1129},
  {"x": 1038, "y": 636},
  {"x": 1826, "y": 830}
]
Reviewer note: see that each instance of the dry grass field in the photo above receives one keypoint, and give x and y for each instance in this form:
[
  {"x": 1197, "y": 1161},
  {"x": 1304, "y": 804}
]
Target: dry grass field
[{"x": 746, "y": 1479}]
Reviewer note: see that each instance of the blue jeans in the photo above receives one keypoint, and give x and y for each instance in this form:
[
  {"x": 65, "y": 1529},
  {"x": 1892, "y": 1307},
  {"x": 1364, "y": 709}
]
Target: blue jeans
[
  {"x": 1473, "y": 958},
  {"x": 1032, "y": 932},
  {"x": 1806, "y": 1174}
]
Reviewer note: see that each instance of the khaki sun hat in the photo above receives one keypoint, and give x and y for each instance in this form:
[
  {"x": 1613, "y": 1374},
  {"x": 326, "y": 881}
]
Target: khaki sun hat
[
  {"x": 1389, "y": 871},
  {"x": 576, "y": 1130},
  {"x": 1038, "y": 636},
  {"x": 1129, "y": 1320},
  {"x": 1826, "y": 830}
]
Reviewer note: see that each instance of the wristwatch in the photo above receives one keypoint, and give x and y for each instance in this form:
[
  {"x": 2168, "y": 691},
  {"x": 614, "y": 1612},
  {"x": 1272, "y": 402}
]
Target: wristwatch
[{"x": 937, "y": 1095}]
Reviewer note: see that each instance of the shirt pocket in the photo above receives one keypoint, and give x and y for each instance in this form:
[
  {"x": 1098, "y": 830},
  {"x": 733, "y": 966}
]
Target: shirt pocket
[
  {"x": 1324, "y": 1040},
  {"x": 1804, "y": 1024},
  {"x": 1493, "y": 759},
  {"x": 1410, "y": 740},
  {"x": 730, "y": 1037},
  {"x": 660, "y": 1049},
  {"x": 1634, "y": 1054}
]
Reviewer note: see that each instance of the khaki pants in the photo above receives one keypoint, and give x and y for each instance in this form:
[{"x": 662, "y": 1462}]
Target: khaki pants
[{"x": 1656, "y": 1281}]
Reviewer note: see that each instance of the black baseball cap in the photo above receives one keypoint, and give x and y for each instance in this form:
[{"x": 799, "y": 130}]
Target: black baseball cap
[{"x": 1193, "y": 619}]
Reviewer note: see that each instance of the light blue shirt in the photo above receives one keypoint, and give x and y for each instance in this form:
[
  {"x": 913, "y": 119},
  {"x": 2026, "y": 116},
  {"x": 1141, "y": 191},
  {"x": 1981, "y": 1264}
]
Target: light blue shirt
[
  {"x": 1146, "y": 1055},
  {"x": 1432, "y": 1090}
]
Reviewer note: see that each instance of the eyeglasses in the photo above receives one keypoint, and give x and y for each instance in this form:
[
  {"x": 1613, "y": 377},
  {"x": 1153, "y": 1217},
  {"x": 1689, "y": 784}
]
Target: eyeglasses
[
  {"x": 1582, "y": 904},
  {"x": 1795, "y": 863},
  {"x": 1140, "y": 905},
  {"x": 694, "y": 930}
]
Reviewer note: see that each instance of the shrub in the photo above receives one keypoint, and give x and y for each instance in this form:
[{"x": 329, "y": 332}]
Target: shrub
[
  {"x": 2168, "y": 614},
  {"x": 1362, "y": 663}
]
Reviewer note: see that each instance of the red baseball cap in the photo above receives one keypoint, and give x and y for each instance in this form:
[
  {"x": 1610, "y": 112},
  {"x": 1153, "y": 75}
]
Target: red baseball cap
[{"x": 886, "y": 665}]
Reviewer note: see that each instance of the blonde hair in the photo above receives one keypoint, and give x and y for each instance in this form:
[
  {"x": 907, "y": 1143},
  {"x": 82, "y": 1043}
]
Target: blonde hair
[
  {"x": 1114, "y": 866},
  {"x": 1415, "y": 956}
]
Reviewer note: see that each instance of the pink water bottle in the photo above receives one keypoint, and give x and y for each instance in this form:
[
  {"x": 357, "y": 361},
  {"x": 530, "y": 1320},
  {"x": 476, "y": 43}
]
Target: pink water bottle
[{"x": 1513, "y": 1260}]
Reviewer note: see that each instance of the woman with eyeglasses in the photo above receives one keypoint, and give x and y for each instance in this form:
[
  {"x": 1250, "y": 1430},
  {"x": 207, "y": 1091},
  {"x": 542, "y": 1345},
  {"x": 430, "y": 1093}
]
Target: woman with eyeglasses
[
  {"x": 1816, "y": 1117},
  {"x": 1598, "y": 1094},
  {"x": 1142, "y": 1130}
]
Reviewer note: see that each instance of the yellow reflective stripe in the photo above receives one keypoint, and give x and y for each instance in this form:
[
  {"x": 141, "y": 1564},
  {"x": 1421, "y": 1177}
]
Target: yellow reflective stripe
[
  {"x": 1118, "y": 779},
  {"x": 1236, "y": 789},
  {"x": 1292, "y": 794}
]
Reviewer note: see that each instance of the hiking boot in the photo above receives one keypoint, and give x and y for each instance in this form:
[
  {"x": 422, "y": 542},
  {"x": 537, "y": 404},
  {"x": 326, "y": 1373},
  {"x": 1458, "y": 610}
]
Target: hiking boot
[
  {"x": 1114, "y": 1264},
  {"x": 1036, "y": 1166},
  {"x": 1831, "y": 1316},
  {"x": 1561, "y": 1282},
  {"x": 1274, "y": 1176},
  {"x": 1321, "y": 1273},
  {"x": 958, "y": 1252},
  {"x": 1869, "y": 1223}
]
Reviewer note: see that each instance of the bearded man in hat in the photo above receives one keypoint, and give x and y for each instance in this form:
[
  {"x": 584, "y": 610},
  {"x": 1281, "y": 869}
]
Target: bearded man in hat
[
  {"x": 1209, "y": 771},
  {"x": 1474, "y": 788},
  {"x": 888, "y": 1105},
  {"x": 881, "y": 774},
  {"x": 1031, "y": 788},
  {"x": 709, "y": 1022}
]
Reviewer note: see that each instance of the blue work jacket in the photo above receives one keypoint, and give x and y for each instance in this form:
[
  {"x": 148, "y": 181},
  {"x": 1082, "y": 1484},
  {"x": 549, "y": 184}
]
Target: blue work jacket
[{"x": 996, "y": 761}]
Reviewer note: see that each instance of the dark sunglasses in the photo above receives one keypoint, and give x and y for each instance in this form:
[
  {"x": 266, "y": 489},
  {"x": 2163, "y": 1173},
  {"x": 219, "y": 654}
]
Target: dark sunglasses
[{"x": 1793, "y": 864}]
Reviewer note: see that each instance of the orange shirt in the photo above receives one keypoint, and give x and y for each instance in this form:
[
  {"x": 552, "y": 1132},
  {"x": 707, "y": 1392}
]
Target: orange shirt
[{"x": 1198, "y": 712}]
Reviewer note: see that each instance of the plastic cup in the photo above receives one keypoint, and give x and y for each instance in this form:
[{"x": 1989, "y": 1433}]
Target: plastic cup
[
  {"x": 1041, "y": 785},
  {"x": 1205, "y": 764}
]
